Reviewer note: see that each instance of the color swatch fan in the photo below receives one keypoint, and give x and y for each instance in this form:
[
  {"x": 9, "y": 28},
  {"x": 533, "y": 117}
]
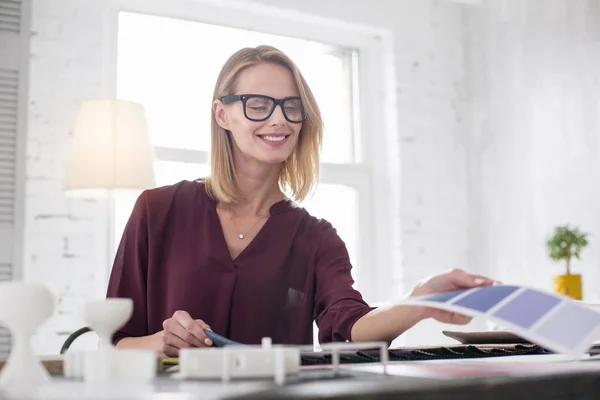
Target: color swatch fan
[{"x": 552, "y": 321}]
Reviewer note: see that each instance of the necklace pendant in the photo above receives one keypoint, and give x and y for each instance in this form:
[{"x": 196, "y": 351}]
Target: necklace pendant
[{"x": 241, "y": 236}]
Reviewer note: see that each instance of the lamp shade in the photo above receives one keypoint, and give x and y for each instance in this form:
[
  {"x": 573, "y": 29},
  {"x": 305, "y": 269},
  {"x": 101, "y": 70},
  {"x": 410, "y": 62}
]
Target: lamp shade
[{"x": 110, "y": 147}]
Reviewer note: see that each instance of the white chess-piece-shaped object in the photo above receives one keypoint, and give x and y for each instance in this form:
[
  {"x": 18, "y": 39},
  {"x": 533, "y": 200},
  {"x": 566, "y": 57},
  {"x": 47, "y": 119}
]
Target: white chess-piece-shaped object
[
  {"x": 110, "y": 364},
  {"x": 106, "y": 316},
  {"x": 23, "y": 308}
]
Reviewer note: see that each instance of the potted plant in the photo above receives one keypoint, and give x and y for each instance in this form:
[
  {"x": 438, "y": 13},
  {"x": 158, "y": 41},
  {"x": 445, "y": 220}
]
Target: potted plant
[{"x": 563, "y": 245}]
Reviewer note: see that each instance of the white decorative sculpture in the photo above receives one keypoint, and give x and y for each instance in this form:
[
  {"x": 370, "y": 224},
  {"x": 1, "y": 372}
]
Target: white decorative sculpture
[
  {"x": 110, "y": 364},
  {"x": 106, "y": 316},
  {"x": 23, "y": 308}
]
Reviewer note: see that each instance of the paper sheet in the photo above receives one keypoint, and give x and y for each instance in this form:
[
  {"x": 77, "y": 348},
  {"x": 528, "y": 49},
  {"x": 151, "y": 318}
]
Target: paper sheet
[{"x": 555, "y": 322}]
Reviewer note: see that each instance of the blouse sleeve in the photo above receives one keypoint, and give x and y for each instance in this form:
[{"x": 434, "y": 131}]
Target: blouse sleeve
[
  {"x": 129, "y": 272},
  {"x": 338, "y": 306}
]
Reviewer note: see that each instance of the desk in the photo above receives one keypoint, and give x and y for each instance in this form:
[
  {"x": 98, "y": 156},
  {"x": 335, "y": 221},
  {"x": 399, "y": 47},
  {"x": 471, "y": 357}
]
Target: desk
[
  {"x": 573, "y": 386},
  {"x": 317, "y": 383}
]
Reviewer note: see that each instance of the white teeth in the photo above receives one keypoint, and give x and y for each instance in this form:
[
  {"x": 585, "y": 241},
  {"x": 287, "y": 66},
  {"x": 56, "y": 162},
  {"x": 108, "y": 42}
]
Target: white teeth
[{"x": 274, "y": 138}]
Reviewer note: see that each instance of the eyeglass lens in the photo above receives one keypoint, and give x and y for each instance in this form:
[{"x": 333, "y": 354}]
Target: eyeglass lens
[{"x": 260, "y": 108}]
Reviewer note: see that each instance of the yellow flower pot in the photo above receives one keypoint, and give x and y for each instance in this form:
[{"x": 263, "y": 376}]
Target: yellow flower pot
[{"x": 568, "y": 285}]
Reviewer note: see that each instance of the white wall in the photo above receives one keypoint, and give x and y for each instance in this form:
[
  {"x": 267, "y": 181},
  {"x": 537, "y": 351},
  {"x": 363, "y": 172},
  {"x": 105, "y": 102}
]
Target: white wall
[
  {"x": 65, "y": 238},
  {"x": 534, "y": 128}
]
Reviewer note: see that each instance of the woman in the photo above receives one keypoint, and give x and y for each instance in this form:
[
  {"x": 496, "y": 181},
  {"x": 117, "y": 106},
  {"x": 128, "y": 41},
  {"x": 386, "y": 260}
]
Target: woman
[{"x": 233, "y": 253}]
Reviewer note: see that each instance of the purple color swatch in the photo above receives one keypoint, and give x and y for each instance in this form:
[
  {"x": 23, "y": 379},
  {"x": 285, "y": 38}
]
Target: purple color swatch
[
  {"x": 484, "y": 299},
  {"x": 570, "y": 324},
  {"x": 525, "y": 309},
  {"x": 441, "y": 297}
]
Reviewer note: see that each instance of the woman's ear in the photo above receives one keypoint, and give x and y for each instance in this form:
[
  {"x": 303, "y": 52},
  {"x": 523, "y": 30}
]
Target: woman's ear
[{"x": 220, "y": 114}]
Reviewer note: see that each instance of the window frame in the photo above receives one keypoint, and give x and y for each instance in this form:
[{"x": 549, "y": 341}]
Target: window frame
[{"x": 373, "y": 176}]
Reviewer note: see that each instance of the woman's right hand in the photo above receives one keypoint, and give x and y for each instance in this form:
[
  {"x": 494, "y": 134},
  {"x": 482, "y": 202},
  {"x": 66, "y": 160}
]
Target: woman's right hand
[{"x": 182, "y": 331}]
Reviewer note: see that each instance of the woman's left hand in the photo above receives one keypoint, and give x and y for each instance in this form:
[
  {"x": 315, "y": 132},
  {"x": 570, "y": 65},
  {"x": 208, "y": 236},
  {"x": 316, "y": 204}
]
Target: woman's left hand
[{"x": 455, "y": 279}]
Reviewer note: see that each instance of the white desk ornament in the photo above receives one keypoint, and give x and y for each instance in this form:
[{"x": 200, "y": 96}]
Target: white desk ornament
[
  {"x": 109, "y": 364},
  {"x": 106, "y": 316},
  {"x": 23, "y": 308}
]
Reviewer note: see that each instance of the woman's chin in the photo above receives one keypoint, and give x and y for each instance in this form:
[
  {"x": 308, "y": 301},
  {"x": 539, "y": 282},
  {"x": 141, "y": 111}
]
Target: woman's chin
[
  {"x": 274, "y": 161},
  {"x": 274, "y": 158}
]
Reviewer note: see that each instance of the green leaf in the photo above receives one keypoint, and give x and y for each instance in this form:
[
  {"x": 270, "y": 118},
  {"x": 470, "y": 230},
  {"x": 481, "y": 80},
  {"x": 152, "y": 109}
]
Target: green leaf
[{"x": 566, "y": 242}]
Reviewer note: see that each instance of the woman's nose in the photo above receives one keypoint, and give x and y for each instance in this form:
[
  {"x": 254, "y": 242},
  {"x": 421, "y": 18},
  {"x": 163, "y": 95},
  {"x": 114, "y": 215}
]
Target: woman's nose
[{"x": 277, "y": 118}]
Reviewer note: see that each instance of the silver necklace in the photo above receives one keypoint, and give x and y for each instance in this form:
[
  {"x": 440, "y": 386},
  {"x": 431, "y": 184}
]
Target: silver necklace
[{"x": 242, "y": 235}]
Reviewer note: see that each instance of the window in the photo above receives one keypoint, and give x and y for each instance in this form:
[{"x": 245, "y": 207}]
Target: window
[{"x": 169, "y": 66}]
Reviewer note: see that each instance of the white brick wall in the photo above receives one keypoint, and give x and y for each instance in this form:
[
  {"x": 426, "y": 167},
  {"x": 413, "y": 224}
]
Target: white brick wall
[
  {"x": 65, "y": 238},
  {"x": 534, "y": 69}
]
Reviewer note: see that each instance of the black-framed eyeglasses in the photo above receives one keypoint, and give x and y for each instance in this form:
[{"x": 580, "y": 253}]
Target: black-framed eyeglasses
[{"x": 258, "y": 107}]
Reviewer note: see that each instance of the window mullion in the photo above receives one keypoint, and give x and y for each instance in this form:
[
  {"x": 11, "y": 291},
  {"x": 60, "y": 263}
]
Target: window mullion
[{"x": 181, "y": 155}]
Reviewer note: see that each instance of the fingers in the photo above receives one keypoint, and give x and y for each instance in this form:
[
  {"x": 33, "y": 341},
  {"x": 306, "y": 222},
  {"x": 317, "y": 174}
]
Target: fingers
[
  {"x": 455, "y": 279},
  {"x": 193, "y": 329},
  {"x": 179, "y": 335},
  {"x": 170, "y": 351},
  {"x": 181, "y": 331},
  {"x": 448, "y": 317},
  {"x": 460, "y": 278},
  {"x": 204, "y": 325},
  {"x": 174, "y": 338},
  {"x": 458, "y": 319}
]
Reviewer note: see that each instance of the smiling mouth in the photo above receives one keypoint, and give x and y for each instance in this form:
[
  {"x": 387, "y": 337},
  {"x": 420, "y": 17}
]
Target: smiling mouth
[{"x": 273, "y": 138}]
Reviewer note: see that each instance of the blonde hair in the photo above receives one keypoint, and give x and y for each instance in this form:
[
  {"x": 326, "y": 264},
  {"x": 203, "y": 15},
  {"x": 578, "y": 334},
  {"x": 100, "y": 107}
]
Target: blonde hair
[{"x": 300, "y": 171}]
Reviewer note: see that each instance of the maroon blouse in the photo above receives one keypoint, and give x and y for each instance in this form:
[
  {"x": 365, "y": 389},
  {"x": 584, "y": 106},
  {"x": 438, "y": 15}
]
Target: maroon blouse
[{"x": 173, "y": 256}]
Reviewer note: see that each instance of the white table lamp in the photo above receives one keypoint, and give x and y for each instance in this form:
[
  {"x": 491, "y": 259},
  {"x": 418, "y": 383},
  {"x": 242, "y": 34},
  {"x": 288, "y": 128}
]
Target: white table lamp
[
  {"x": 110, "y": 148},
  {"x": 110, "y": 152}
]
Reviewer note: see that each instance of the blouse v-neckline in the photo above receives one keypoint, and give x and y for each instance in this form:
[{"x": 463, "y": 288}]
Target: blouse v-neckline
[
  {"x": 277, "y": 208},
  {"x": 250, "y": 243}
]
